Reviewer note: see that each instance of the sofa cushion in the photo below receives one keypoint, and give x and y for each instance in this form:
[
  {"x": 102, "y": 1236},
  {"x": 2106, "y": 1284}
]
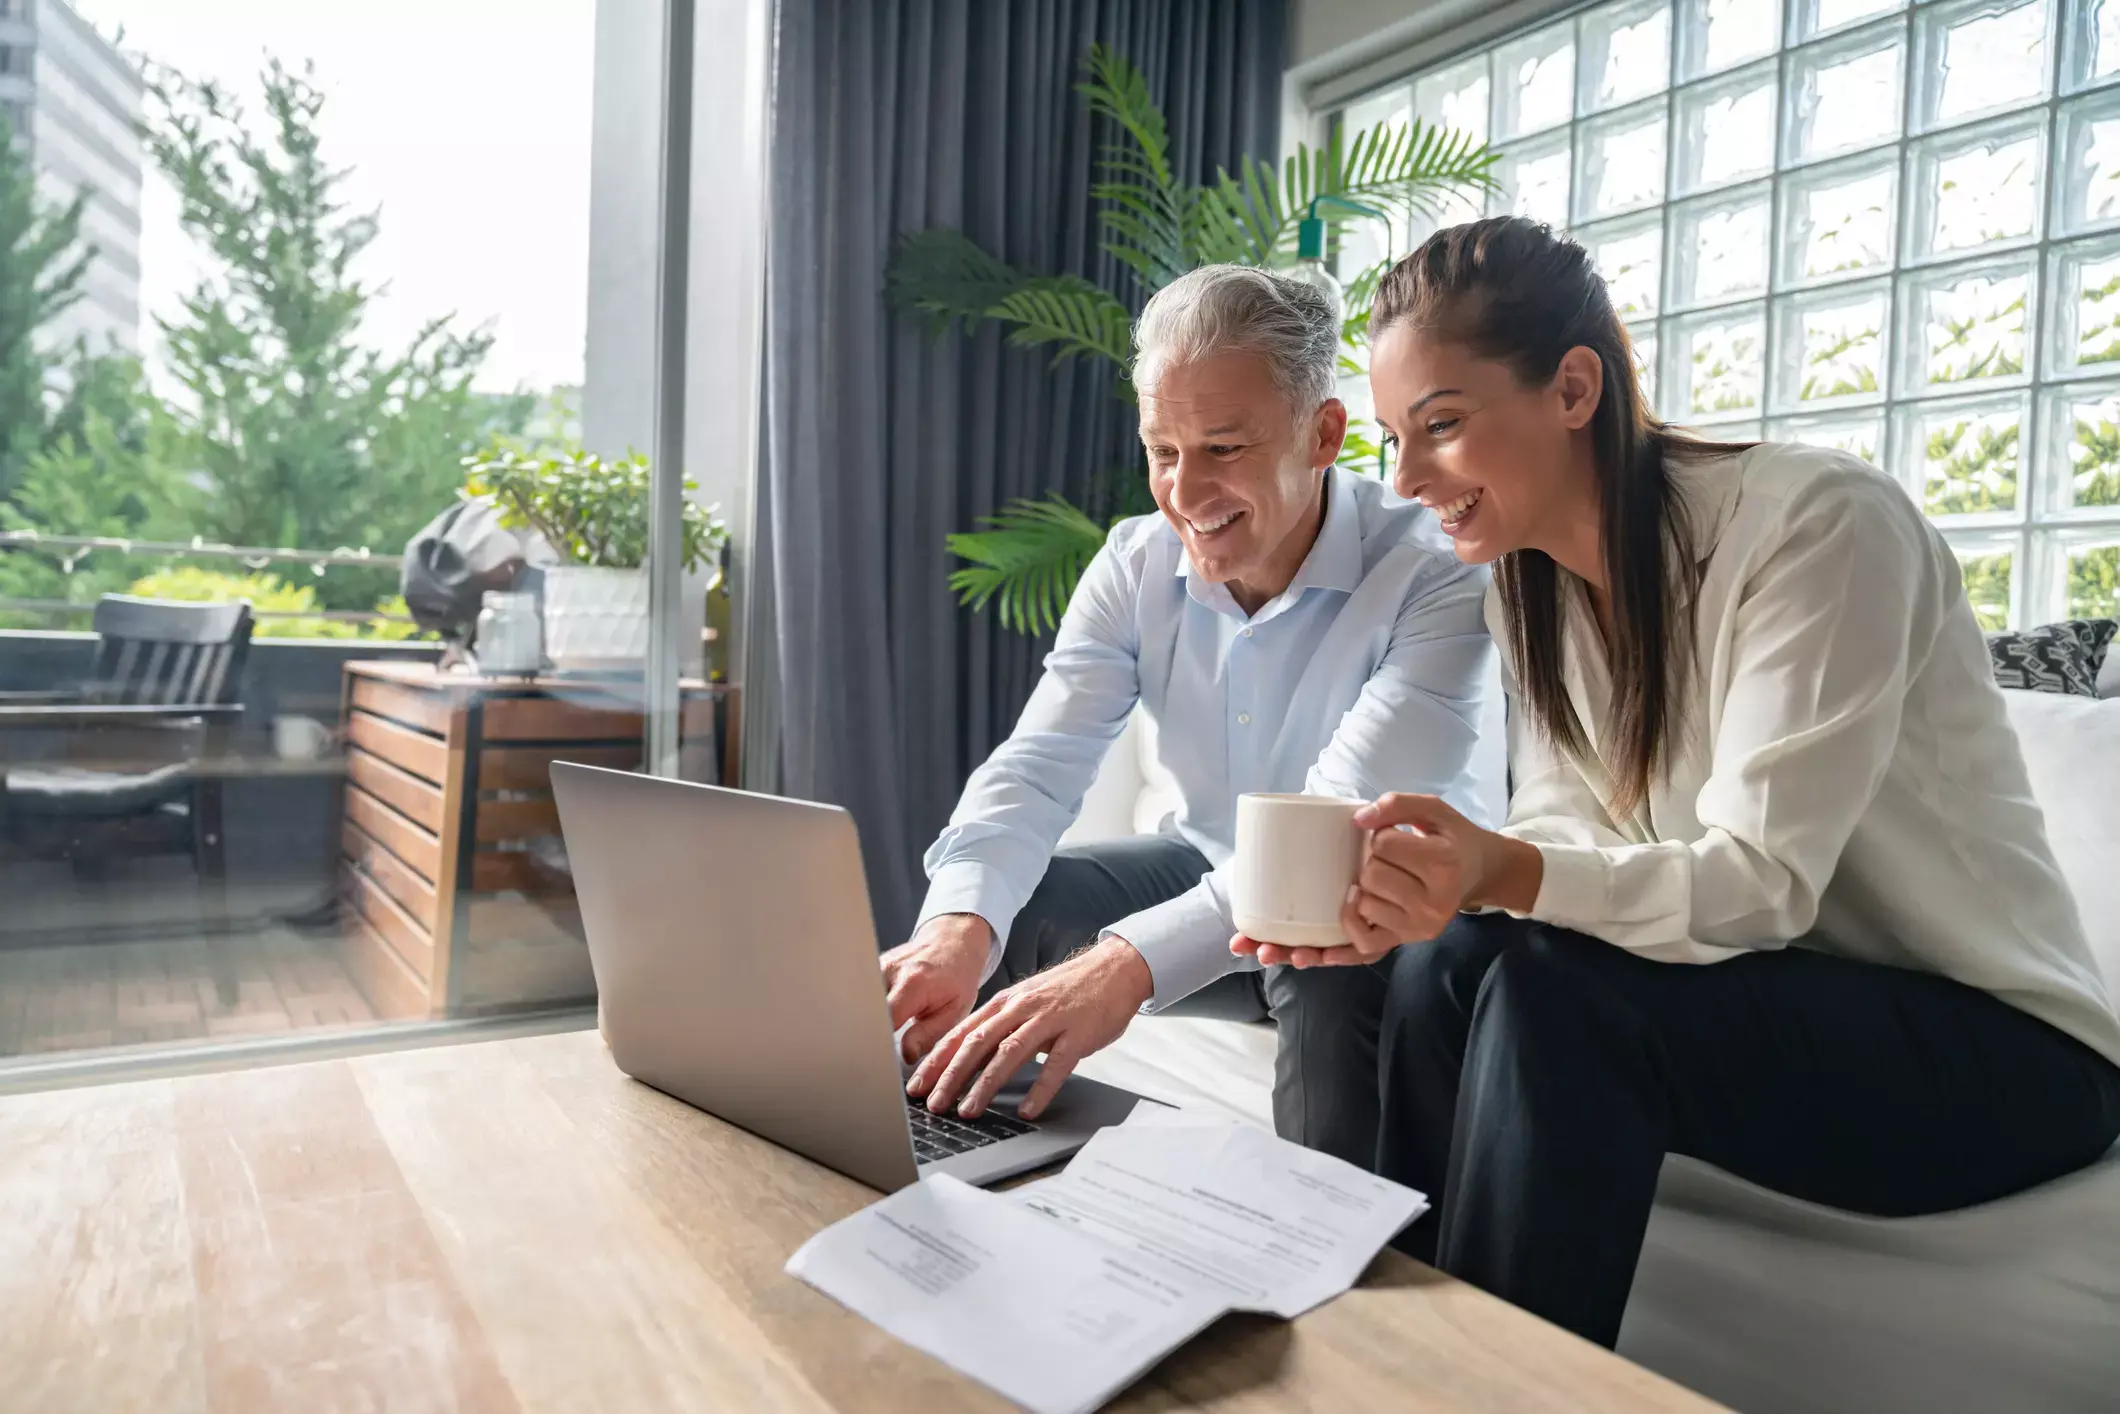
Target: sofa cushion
[
  {"x": 2072, "y": 752},
  {"x": 2063, "y": 657}
]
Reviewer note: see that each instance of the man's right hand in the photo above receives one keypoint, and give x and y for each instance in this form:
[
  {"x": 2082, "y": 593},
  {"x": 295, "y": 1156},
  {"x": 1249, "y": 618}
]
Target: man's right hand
[{"x": 933, "y": 980}]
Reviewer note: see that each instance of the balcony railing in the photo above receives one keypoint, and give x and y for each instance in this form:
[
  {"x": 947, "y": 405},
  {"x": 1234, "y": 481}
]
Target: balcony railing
[{"x": 71, "y": 550}]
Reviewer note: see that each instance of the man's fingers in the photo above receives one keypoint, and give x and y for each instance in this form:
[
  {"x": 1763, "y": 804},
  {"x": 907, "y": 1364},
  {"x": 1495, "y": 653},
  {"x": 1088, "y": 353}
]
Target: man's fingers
[
  {"x": 1015, "y": 1050},
  {"x": 925, "y": 1032},
  {"x": 981, "y": 1037},
  {"x": 1060, "y": 1059},
  {"x": 902, "y": 998},
  {"x": 938, "y": 1058}
]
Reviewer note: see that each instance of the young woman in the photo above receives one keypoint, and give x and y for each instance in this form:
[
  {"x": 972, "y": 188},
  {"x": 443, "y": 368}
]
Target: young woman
[{"x": 1773, "y": 892}]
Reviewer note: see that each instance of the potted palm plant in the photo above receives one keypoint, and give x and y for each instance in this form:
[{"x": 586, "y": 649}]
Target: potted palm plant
[
  {"x": 593, "y": 512},
  {"x": 1026, "y": 559}
]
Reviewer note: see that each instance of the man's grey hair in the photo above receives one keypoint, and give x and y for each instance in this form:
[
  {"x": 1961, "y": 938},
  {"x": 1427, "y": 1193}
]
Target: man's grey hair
[{"x": 1240, "y": 309}]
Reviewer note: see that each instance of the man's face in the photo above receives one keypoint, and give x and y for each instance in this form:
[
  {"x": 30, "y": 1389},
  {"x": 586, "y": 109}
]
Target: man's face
[{"x": 1235, "y": 473}]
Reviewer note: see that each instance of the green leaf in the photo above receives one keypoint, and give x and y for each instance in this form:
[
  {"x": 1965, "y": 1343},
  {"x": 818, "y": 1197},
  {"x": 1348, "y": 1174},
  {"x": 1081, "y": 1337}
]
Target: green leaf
[
  {"x": 1357, "y": 297},
  {"x": 1119, "y": 91},
  {"x": 946, "y": 275},
  {"x": 1142, "y": 204},
  {"x": 1069, "y": 311},
  {"x": 1026, "y": 562},
  {"x": 1407, "y": 171}
]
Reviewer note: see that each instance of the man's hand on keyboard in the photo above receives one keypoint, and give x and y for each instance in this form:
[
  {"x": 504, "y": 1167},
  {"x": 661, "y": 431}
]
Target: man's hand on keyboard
[
  {"x": 1065, "y": 1013},
  {"x": 933, "y": 980}
]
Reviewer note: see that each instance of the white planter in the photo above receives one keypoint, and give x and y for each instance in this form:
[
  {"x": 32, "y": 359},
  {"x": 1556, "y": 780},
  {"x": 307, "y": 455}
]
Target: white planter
[{"x": 595, "y": 618}]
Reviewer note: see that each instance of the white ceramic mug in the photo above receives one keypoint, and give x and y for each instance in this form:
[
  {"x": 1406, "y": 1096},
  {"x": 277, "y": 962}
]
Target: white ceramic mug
[
  {"x": 1297, "y": 855},
  {"x": 296, "y": 738}
]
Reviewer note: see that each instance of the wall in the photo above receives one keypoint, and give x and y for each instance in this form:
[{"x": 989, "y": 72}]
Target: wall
[
  {"x": 1326, "y": 28},
  {"x": 1344, "y": 48}
]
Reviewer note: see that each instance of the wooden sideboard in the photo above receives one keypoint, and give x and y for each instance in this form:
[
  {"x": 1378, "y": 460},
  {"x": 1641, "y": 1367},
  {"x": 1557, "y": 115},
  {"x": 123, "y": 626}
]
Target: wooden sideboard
[{"x": 449, "y": 906}]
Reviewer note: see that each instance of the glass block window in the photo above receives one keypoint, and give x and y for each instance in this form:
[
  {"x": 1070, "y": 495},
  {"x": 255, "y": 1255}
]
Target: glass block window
[{"x": 1886, "y": 226}]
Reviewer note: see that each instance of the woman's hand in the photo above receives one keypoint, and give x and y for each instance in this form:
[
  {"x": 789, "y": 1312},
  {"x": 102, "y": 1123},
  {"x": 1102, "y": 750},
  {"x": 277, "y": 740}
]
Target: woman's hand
[{"x": 1425, "y": 863}]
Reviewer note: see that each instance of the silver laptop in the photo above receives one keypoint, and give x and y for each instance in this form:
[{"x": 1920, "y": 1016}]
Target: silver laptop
[{"x": 735, "y": 958}]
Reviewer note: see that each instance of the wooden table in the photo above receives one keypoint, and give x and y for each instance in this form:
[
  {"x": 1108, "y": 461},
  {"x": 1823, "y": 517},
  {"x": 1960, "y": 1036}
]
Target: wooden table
[
  {"x": 449, "y": 783},
  {"x": 516, "y": 1226}
]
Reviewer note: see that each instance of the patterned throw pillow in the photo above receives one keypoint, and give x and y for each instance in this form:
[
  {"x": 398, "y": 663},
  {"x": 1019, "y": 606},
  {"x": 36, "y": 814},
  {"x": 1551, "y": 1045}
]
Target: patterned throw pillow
[{"x": 2063, "y": 657}]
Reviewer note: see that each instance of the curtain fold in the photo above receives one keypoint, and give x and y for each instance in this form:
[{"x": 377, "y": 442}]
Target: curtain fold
[{"x": 892, "y": 116}]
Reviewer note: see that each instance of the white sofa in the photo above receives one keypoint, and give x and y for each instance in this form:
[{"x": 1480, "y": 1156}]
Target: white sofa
[{"x": 1769, "y": 1304}]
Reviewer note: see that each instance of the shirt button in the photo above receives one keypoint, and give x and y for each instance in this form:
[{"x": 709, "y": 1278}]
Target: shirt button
[
  {"x": 1247, "y": 633},
  {"x": 1243, "y": 719}
]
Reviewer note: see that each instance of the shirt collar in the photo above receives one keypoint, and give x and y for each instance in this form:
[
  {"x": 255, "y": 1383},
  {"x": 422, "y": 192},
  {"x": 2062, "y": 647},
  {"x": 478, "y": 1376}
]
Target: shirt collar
[{"x": 1335, "y": 558}]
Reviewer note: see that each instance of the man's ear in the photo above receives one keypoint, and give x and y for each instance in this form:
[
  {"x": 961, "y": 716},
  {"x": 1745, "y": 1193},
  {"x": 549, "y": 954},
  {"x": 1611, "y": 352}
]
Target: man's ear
[
  {"x": 1580, "y": 381},
  {"x": 1328, "y": 433}
]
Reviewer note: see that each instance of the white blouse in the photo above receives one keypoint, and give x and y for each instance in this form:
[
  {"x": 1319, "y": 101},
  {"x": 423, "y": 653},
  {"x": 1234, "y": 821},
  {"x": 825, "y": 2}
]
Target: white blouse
[{"x": 1844, "y": 776}]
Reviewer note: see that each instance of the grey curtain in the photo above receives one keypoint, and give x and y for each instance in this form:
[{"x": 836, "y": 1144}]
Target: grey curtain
[{"x": 900, "y": 115}]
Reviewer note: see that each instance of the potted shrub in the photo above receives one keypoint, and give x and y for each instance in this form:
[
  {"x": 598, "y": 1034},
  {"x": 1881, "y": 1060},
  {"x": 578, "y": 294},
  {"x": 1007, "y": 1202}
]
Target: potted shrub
[{"x": 594, "y": 515}]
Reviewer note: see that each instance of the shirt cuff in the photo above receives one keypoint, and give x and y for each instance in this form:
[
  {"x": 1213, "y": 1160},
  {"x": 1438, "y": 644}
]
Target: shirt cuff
[
  {"x": 971, "y": 887},
  {"x": 1185, "y": 943},
  {"x": 1574, "y": 888}
]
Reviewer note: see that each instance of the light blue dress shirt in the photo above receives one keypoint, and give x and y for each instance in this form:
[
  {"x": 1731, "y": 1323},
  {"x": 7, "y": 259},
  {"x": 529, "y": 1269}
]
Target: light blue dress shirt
[{"x": 1363, "y": 677}]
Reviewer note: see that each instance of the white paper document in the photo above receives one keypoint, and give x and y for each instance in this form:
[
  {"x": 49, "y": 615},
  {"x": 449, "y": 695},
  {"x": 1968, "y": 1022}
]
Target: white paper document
[
  {"x": 1029, "y": 1310},
  {"x": 1268, "y": 1225},
  {"x": 1063, "y": 1292}
]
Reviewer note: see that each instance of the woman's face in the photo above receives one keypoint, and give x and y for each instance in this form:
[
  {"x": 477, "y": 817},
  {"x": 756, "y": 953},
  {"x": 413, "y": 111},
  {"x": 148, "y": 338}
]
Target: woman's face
[{"x": 1503, "y": 466}]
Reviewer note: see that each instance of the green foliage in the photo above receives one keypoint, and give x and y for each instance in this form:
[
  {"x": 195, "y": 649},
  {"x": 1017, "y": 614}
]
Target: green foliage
[
  {"x": 1971, "y": 468},
  {"x": 1028, "y": 557},
  {"x": 1026, "y": 561},
  {"x": 1829, "y": 374},
  {"x": 271, "y": 594},
  {"x": 1954, "y": 356},
  {"x": 1071, "y": 312},
  {"x": 2099, "y": 339},
  {"x": 42, "y": 265},
  {"x": 301, "y": 434},
  {"x": 1726, "y": 375},
  {"x": 1987, "y": 587},
  {"x": 2094, "y": 583},
  {"x": 593, "y": 511},
  {"x": 104, "y": 471},
  {"x": 2095, "y": 477}
]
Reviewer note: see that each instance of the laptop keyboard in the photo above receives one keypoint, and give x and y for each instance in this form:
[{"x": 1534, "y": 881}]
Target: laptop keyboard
[{"x": 939, "y": 1136}]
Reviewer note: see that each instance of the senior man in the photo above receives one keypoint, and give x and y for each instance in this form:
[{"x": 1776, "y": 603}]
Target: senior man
[{"x": 1288, "y": 626}]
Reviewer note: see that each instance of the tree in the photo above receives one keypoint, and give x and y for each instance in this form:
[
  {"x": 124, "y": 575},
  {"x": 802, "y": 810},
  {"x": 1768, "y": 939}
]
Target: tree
[
  {"x": 2098, "y": 313},
  {"x": 1987, "y": 588},
  {"x": 42, "y": 265},
  {"x": 106, "y": 470},
  {"x": 299, "y": 433},
  {"x": 1843, "y": 363},
  {"x": 1971, "y": 466},
  {"x": 2094, "y": 478},
  {"x": 2094, "y": 583},
  {"x": 1159, "y": 226}
]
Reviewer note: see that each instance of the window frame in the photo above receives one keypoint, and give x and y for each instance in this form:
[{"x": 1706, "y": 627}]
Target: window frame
[{"x": 2041, "y": 526}]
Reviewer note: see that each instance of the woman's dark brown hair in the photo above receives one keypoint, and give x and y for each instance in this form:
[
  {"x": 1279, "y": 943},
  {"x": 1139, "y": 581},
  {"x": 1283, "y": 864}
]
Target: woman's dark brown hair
[{"x": 1513, "y": 292}]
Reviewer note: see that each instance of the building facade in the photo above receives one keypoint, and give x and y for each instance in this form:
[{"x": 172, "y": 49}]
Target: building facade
[{"x": 74, "y": 103}]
